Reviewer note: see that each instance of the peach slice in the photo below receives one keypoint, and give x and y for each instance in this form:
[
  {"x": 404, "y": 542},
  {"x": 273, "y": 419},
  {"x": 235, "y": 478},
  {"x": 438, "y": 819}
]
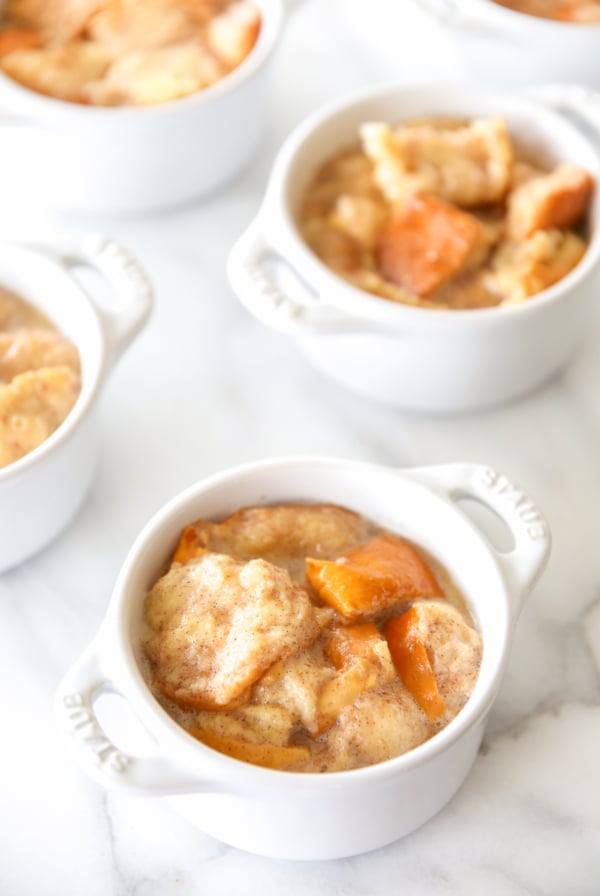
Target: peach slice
[
  {"x": 267, "y": 755},
  {"x": 188, "y": 548},
  {"x": 12, "y": 39},
  {"x": 372, "y": 577},
  {"x": 411, "y": 660}
]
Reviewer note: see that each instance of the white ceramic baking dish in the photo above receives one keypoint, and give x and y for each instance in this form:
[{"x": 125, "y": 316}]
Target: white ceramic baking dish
[
  {"x": 41, "y": 492},
  {"x": 508, "y": 48},
  {"x": 409, "y": 357},
  {"x": 296, "y": 815},
  {"x": 128, "y": 159}
]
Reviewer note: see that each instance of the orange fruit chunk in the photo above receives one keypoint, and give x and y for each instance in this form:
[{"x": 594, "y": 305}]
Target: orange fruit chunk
[
  {"x": 352, "y": 642},
  {"x": 267, "y": 755},
  {"x": 189, "y": 547},
  {"x": 372, "y": 577},
  {"x": 12, "y": 39},
  {"x": 412, "y": 663}
]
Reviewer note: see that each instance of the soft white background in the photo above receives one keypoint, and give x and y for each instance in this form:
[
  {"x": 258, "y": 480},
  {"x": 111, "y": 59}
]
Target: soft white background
[{"x": 204, "y": 387}]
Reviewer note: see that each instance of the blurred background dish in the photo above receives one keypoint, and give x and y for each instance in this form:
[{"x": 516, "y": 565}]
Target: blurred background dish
[
  {"x": 508, "y": 48},
  {"x": 178, "y": 143},
  {"x": 404, "y": 355},
  {"x": 42, "y": 490}
]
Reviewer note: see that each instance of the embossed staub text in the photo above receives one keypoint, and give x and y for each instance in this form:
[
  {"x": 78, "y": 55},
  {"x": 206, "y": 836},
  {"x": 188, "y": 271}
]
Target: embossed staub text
[
  {"x": 84, "y": 727},
  {"x": 523, "y": 506}
]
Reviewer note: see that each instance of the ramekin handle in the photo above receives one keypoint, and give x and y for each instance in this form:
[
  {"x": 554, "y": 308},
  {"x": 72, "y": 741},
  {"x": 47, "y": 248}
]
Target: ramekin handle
[
  {"x": 131, "y": 288},
  {"x": 523, "y": 565},
  {"x": 575, "y": 100},
  {"x": 104, "y": 762},
  {"x": 261, "y": 293}
]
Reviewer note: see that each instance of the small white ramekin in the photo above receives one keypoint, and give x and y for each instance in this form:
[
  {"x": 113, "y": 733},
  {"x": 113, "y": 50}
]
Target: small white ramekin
[
  {"x": 40, "y": 492},
  {"x": 131, "y": 159},
  {"x": 512, "y": 49},
  {"x": 294, "y": 815},
  {"x": 418, "y": 358}
]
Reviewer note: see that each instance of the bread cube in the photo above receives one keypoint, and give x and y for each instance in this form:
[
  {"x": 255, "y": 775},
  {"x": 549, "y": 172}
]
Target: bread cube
[
  {"x": 61, "y": 72},
  {"x": 360, "y": 218},
  {"x": 32, "y": 407},
  {"x": 245, "y": 616},
  {"x": 522, "y": 268},
  {"x": 428, "y": 244},
  {"x": 469, "y": 165},
  {"x": 555, "y": 200},
  {"x": 32, "y": 349}
]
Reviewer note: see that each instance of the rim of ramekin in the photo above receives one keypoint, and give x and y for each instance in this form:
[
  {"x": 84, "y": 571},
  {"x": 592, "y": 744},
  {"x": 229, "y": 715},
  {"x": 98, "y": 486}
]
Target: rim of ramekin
[
  {"x": 86, "y": 398},
  {"x": 52, "y": 107},
  {"x": 513, "y": 15},
  {"x": 167, "y": 731},
  {"x": 371, "y": 307}
]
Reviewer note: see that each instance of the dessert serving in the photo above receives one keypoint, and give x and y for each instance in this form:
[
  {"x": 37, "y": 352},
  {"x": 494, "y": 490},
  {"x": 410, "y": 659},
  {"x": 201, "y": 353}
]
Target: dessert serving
[
  {"x": 124, "y": 52},
  {"x": 368, "y": 671},
  {"x": 302, "y": 637},
  {"x": 446, "y": 213},
  {"x": 49, "y": 442},
  {"x": 354, "y": 246},
  {"x": 584, "y": 12},
  {"x": 39, "y": 377}
]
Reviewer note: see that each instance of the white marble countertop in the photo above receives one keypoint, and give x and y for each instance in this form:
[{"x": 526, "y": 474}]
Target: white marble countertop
[{"x": 226, "y": 390}]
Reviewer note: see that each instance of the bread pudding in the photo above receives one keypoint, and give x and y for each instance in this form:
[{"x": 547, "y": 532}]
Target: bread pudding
[
  {"x": 39, "y": 378},
  {"x": 306, "y": 638},
  {"x": 443, "y": 213},
  {"x": 124, "y": 52}
]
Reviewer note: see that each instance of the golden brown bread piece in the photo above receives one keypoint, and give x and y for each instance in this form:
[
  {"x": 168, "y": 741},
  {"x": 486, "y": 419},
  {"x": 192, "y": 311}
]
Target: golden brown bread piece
[
  {"x": 360, "y": 218},
  {"x": 61, "y": 71},
  {"x": 232, "y": 34},
  {"x": 296, "y": 530},
  {"x": 215, "y": 625},
  {"x": 30, "y": 349},
  {"x": 554, "y": 200},
  {"x": 32, "y": 407},
  {"x": 379, "y": 725},
  {"x": 468, "y": 166},
  {"x": 522, "y": 268},
  {"x": 148, "y": 76}
]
